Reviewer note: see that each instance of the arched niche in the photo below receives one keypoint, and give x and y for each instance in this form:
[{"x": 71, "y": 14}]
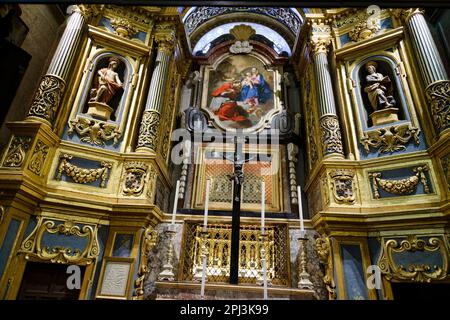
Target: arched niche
[
  {"x": 117, "y": 102},
  {"x": 386, "y": 66}
]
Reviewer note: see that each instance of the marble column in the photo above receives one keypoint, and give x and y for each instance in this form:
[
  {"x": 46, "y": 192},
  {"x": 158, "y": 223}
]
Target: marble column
[
  {"x": 432, "y": 68},
  {"x": 48, "y": 96},
  {"x": 329, "y": 122},
  {"x": 148, "y": 131}
]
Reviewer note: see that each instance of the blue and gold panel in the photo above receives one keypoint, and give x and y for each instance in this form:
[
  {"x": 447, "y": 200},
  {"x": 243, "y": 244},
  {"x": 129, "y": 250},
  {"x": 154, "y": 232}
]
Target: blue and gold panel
[
  {"x": 355, "y": 281},
  {"x": 103, "y": 233},
  {"x": 415, "y": 258},
  {"x": 72, "y": 241},
  {"x": 123, "y": 244},
  {"x": 401, "y": 182},
  {"x": 83, "y": 171},
  {"x": 8, "y": 243}
]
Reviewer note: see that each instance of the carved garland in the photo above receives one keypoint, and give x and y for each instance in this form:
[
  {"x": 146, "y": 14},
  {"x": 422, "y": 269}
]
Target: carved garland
[
  {"x": 149, "y": 239},
  {"x": 390, "y": 139},
  {"x": 32, "y": 245},
  {"x": 81, "y": 175},
  {"x": 323, "y": 247},
  {"x": 93, "y": 131},
  {"x": 401, "y": 186},
  {"x": 17, "y": 151},
  {"x": 413, "y": 272}
]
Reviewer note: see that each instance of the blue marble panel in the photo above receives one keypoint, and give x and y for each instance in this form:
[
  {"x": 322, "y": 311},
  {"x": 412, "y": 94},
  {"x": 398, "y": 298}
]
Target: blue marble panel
[
  {"x": 355, "y": 282},
  {"x": 8, "y": 243},
  {"x": 345, "y": 38}
]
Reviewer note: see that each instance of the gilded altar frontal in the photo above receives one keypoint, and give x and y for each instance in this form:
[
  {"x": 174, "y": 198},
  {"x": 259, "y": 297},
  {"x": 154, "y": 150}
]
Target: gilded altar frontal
[{"x": 236, "y": 152}]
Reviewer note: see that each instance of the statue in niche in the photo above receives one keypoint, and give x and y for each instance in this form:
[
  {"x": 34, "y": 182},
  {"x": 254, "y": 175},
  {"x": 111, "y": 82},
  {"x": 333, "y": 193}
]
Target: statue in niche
[
  {"x": 107, "y": 84},
  {"x": 379, "y": 90}
]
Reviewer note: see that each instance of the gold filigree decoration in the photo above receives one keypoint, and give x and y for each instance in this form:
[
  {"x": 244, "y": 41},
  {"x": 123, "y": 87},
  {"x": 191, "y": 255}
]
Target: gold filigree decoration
[
  {"x": 94, "y": 132},
  {"x": 123, "y": 27},
  {"x": 438, "y": 95},
  {"x": 401, "y": 186},
  {"x": 17, "y": 151},
  {"x": 47, "y": 98},
  {"x": 148, "y": 132},
  {"x": 82, "y": 175},
  {"x": 445, "y": 162},
  {"x": 364, "y": 28},
  {"x": 292, "y": 157},
  {"x": 390, "y": 139},
  {"x": 149, "y": 239},
  {"x": 323, "y": 248},
  {"x": 343, "y": 185},
  {"x": 417, "y": 272},
  {"x": 32, "y": 245},
  {"x": 331, "y": 135},
  {"x": 134, "y": 178},
  {"x": 38, "y": 158}
]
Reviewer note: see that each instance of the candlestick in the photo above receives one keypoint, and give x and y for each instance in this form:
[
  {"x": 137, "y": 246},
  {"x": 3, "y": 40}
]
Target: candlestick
[
  {"x": 300, "y": 213},
  {"x": 175, "y": 202},
  {"x": 263, "y": 205},
  {"x": 205, "y": 219}
]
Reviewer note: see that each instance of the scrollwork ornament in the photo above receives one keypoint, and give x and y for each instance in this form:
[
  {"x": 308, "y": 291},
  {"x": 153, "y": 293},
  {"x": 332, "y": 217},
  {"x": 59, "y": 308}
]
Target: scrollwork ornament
[
  {"x": 82, "y": 175},
  {"x": 17, "y": 150},
  {"x": 38, "y": 158},
  {"x": 323, "y": 248},
  {"x": 47, "y": 98},
  {"x": 134, "y": 178},
  {"x": 32, "y": 245},
  {"x": 148, "y": 132},
  {"x": 438, "y": 94},
  {"x": 417, "y": 272},
  {"x": 94, "y": 132},
  {"x": 390, "y": 139},
  {"x": 400, "y": 187},
  {"x": 331, "y": 135}
]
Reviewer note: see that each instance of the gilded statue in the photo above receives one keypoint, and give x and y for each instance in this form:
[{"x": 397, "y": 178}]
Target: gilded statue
[
  {"x": 107, "y": 83},
  {"x": 379, "y": 88}
]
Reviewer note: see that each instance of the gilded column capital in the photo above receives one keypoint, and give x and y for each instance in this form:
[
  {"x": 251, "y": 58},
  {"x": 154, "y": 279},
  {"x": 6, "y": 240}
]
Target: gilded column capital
[
  {"x": 166, "y": 41},
  {"x": 406, "y": 14},
  {"x": 320, "y": 45},
  {"x": 87, "y": 11}
]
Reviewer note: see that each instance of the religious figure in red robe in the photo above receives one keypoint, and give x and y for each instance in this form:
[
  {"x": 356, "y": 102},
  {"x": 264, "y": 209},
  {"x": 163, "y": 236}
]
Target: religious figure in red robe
[{"x": 107, "y": 83}]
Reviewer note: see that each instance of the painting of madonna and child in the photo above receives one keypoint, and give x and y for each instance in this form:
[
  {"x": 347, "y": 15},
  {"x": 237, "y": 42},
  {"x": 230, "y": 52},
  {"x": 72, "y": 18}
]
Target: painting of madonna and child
[{"x": 240, "y": 92}]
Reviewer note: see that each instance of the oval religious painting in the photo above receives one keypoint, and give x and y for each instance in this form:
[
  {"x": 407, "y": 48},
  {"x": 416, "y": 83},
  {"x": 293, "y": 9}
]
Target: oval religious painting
[{"x": 240, "y": 92}]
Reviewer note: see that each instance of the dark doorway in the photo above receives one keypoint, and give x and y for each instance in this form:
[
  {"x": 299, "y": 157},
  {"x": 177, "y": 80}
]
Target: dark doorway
[
  {"x": 47, "y": 281},
  {"x": 421, "y": 291}
]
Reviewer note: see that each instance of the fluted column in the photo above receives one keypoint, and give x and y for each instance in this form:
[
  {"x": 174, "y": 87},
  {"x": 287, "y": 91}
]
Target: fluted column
[
  {"x": 432, "y": 68},
  {"x": 329, "y": 122},
  {"x": 48, "y": 97},
  {"x": 148, "y": 131}
]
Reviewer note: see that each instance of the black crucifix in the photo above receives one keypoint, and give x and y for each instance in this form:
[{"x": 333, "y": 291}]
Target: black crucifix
[{"x": 238, "y": 179}]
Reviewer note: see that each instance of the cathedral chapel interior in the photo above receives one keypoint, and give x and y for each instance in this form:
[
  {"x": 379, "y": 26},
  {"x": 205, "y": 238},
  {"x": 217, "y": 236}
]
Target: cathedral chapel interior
[{"x": 224, "y": 152}]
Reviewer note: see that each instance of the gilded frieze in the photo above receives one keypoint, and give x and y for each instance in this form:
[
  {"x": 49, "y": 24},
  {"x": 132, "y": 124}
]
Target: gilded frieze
[
  {"x": 15, "y": 156},
  {"x": 400, "y": 187},
  {"x": 415, "y": 270},
  {"x": 38, "y": 157},
  {"x": 390, "y": 139},
  {"x": 438, "y": 94},
  {"x": 83, "y": 175},
  {"x": 32, "y": 246}
]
